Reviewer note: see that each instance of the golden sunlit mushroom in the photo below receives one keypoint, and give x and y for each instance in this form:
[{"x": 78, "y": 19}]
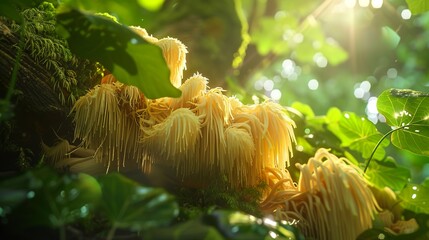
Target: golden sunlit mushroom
[
  {"x": 173, "y": 141},
  {"x": 102, "y": 124},
  {"x": 203, "y": 133},
  {"x": 332, "y": 199},
  {"x": 239, "y": 156},
  {"x": 194, "y": 87},
  {"x": 174, "y": 53},
  {"x": 214, "y": 110}
]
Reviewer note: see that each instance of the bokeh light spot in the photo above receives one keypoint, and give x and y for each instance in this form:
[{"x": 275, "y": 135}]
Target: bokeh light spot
[
  {"x": 372, "y": 105},
  {"x": 366, "y": 86},
  {"x": 298, "y": 38},
  {"x": 364, "y": 3},
  {"x": 406, "y": 14},
  {"x": 259, "y": 84},
  {"x": 320, "y": 60},
  {"x": 359, "y": 92},
  {"x": 392, "y": 73},
  {"x": 313, "y": 84},
  {"x": 276, "y": 94},
  {"x": 268, "y": 85},
  {"x": 377, "y": 3}
]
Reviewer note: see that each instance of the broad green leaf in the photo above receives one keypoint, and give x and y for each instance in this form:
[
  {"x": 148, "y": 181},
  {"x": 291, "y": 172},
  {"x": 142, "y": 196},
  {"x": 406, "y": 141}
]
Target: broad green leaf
[
  {"x": 129, "y": 12},
  {"x": 193, "y": 229},
  {"x": 415, "y": 197},
  {"x": 129, "y": 205},
  {"x": 391, "y": 38},
  {"x": 387, "y": 174},
  {"x": 333, "y": 115},
  {"x": 124, "y": 53},
  {"x": 303, "y": 145},
  {"x": 237, "y": 225},
  {"x": 304, "y": 109},
  {"x": 407, "y": 111},
  {"x": 52, "y": 199},
  {"x": 360, "y": 134},
  {"x": 418, "y": 6}
]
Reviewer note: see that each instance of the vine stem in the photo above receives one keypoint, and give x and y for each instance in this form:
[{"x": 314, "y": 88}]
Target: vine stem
[{"x": 379, "y": 142}]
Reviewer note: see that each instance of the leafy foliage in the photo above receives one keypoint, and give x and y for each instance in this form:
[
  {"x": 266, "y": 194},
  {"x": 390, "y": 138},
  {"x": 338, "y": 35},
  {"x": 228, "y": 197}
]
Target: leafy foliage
[
  {"x": 415, "y": 197},
  {"x": 390, "y": 37},
  {"x": 420, "y": 234},
  {"x": 52, "y": 199},
  {"x": 129, "y": 205},
  {"x": 387, "y": 173},
  {"x": 359, "y": 134},
  {"x": 42, "y": 43},
  {"x": 225, "y": 224},
  {"x": 407, "y": 112},
  {"x": 119, "y": 49},
  {"x": 59, "y": 199}
]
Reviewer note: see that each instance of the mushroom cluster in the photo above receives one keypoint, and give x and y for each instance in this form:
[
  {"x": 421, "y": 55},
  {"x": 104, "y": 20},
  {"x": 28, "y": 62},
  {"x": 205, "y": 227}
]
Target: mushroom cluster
[
  {"x": 205, "y": 134},
  {"x": 201, "y": 134}
]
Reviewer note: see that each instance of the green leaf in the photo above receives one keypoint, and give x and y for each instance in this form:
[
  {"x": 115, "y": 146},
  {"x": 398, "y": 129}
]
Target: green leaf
[
  {"x": 52, "y": 199},
  {"x": 124, "y": 53},
  {"x": 421, "y": 233},
  {"x": 407, "y": 111},
  {"x": 359, "y": 134},
  {"x": 415, "y": 198},
  {"x": 193, "y": 229},
  {"x": 129, "y": 12},
  {"x": 304, "y": 109},
  {"x": 333, "y": 115},
  {"x": 129, "y": 205},
  {"x": 390, "y": 37},
  {"x": 387, "y": 173},
  {"x": 237, "y": 225},
  {"x": 418, "y": 6}
]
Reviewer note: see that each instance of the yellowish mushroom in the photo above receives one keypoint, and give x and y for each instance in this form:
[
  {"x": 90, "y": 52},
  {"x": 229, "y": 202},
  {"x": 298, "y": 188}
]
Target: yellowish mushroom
[
  {"x": 174, "y": 53},
  {"x": 205, "y": 134},
  {"x": 102, "y": 124},
  {"x": 331, "y": 201},
  {"x": 201, "y": 134}
]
